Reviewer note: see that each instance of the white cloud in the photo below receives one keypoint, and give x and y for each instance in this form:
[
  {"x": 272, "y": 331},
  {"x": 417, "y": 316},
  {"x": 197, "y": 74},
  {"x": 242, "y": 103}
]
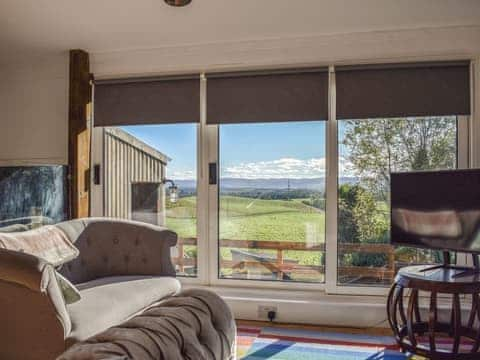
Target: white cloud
[
  {"x": 181, "y": 175},
  {"x": 281, "y": 168},
  {"x": 290, "y": 168}
]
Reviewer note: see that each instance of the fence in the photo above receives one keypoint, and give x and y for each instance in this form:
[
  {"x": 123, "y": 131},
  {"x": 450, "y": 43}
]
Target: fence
[{"x": 280, "y": 266}]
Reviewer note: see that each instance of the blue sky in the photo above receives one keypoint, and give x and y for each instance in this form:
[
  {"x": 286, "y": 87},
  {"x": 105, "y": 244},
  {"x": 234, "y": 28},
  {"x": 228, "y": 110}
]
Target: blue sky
[
  {"x": 267, "y": 150},
  {"x": 177, "y": 141}
]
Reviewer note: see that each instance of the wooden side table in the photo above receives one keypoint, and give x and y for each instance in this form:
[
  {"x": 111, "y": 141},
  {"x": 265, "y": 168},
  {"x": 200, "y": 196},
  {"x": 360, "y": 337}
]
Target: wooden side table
[{"x": 408, "y": 325}]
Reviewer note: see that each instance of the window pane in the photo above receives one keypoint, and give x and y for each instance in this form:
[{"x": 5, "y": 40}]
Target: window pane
[
  {"x": 272, "y": 201},
  {"x": 369, "y": 149},
  {"x": 136, "y": 161}
]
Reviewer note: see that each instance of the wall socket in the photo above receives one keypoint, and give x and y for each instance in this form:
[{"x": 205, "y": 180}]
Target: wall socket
[{"x": 263, "y": 311}]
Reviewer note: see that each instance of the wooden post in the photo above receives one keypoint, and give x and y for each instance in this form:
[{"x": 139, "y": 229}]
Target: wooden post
[
  {"x": 181, "y": 265},
  {"x": 391, "y": 262},
  {"x": 79, "y": 133},
  {"x": 279, "y": 264}
]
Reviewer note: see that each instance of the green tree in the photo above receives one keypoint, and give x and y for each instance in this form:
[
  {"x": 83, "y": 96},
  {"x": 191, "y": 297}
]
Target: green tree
[
  {"x": 359, "y": 223},
  {"x": 357, "y": 216},
  {"x": 376, "y": 147}
]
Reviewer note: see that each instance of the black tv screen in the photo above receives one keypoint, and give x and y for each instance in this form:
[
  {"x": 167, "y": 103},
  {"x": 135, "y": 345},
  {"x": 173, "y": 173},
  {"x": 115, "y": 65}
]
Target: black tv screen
[{"x": 436, "y": 210}]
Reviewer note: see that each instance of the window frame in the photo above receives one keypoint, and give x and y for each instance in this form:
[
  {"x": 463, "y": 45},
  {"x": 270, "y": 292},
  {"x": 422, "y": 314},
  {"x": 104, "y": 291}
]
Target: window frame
[
  {"x": 332, "y": 286},
  {"x": 214, "y": 240}
]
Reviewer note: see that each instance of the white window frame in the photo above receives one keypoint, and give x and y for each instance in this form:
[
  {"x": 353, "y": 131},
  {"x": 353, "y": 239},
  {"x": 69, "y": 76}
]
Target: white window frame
[
  {"x": 332, "y": 286},
  {"x": 213, "y": 233}
]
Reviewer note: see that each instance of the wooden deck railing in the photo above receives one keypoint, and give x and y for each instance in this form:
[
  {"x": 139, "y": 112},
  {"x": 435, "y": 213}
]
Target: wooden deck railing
[{"x": 280, "y": 266}]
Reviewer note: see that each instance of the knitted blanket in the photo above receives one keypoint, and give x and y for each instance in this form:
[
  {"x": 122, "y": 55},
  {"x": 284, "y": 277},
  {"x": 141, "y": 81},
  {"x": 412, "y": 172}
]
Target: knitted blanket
[{"x": 194, "y": 325}]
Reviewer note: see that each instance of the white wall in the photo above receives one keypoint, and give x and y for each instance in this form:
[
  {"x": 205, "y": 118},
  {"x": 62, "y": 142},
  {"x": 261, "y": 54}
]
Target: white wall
[
  {"x": 449, "y": 42},
  {"x": 34, "y": 116}
]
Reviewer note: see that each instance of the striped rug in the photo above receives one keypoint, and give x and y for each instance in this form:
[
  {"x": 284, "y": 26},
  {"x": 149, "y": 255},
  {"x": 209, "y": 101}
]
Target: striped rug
[{"x": 275, "y": 343}]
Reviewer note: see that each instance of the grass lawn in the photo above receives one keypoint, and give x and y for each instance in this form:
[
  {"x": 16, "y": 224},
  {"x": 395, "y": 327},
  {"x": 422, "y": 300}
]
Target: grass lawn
[
  {"x": 270, "y": 220},
  {"x": 256, "y": 219}
]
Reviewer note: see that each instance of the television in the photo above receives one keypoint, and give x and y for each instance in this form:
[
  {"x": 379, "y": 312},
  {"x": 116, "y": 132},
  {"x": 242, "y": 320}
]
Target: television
[{"x": 436, "y": 210}]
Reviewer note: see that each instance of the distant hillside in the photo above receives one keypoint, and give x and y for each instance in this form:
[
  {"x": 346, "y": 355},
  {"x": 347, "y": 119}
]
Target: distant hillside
[{"x": 232, "y": 184}]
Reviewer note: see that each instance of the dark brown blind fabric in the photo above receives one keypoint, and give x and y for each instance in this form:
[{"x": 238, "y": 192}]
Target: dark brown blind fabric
[
  {"x": 138, "y": 102},
  {"x": 422, "y": 89},
  {"x": 271, "y": 97}
]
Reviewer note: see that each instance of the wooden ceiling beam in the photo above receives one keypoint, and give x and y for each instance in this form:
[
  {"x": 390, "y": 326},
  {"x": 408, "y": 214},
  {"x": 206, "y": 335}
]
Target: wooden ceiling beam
[{"x": 79, "y": 134}]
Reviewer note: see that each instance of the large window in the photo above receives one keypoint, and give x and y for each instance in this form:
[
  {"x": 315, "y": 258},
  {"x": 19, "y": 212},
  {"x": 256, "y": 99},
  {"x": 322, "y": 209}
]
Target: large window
[
  {"x": 293, "y": 167},
  {"x": 369, "y": 149},
  {"x": 272, "y": 201},
  {"x": 150, "y": 176}
]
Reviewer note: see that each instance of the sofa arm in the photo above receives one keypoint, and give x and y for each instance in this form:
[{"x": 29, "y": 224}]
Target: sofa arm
[
  {"x": 31, "y": 307},
  {"x": 23, "y": 269},
  {"x": 114, "y": 247}
]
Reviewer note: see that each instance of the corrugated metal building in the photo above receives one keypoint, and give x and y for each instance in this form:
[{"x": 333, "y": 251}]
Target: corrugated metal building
[{"x": 133, "y": 173}]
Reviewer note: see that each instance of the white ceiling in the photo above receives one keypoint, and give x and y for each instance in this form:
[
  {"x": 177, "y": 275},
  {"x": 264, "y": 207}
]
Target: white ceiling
[{"x": 43, "y": 26}]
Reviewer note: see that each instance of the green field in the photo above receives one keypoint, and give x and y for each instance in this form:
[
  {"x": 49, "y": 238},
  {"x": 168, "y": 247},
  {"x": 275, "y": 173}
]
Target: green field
[
  {"x": 270, "y": 220},
  {"x": 254, "y": 219},
  {"x": 257, "y": 219},
  {"x": 181, "y": 217}
]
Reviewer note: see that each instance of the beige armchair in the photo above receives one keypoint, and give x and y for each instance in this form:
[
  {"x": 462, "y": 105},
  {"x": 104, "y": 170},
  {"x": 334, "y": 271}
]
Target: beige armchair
[{"x": 123, "y": 268}]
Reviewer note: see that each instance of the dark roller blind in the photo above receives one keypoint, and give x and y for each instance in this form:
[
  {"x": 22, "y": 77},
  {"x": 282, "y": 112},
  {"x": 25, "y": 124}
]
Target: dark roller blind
[
  {"x": 420, "y": 89},
  {"x": 267, "y": 97},
  {"x": 147, "y": 101}
]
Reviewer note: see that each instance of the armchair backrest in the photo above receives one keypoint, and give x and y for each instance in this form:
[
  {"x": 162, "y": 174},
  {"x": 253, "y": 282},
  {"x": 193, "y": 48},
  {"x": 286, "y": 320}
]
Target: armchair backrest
[{"x": 111, "y": 247}]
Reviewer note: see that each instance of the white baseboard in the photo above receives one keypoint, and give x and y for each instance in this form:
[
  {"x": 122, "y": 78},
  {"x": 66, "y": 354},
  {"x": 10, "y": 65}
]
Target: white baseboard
[{"x": 318, "y": 308}]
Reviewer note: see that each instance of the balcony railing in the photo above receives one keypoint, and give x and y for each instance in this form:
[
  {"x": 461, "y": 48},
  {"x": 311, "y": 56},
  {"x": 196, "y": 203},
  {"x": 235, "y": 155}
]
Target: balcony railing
[{"x": 283, "y": 268}]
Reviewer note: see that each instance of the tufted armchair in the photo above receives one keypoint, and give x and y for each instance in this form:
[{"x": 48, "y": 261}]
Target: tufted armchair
[{"x": 123, "y": 268}]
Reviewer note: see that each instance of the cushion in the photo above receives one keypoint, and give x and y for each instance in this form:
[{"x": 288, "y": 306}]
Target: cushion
[
  {"x": 48, "y": 243},
  {"x": 69, "y": 292},
  {"x": 106, "y": 302}
]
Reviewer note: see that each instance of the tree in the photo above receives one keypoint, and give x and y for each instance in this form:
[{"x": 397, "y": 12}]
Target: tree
[
  {"x": 357, "y": 216},
  {"x": 359, "y": 223},
  {"x": 376, "y": 147}
]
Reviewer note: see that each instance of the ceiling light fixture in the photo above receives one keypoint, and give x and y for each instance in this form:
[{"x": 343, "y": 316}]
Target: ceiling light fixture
[{"x": 178, "y": 2}]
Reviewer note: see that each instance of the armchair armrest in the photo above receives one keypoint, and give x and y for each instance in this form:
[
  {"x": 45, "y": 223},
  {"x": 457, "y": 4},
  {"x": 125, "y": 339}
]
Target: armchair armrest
[
  {"x": 30, "y": 281},
  {"x": 24, "y": 269}
]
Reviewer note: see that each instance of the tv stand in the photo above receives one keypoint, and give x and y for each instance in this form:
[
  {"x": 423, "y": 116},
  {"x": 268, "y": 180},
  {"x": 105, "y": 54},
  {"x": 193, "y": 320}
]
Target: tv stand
[
  {"x": 424, "y": 332},
  {"x": 464, "y": 271}
]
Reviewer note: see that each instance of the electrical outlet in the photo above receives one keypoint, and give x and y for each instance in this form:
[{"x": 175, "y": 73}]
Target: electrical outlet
[{"x": 263, "y": 311}]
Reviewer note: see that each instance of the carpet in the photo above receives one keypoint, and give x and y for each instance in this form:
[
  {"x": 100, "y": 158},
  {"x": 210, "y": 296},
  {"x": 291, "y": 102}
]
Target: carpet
[{"x": 275, "y": 343}]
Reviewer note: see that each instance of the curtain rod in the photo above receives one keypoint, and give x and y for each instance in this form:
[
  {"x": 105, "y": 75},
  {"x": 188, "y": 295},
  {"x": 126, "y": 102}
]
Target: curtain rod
[
  {"x": 286, "y": 71},
  {"x": 130, "y": 80},
  {"x": 405, "y": 65}
]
